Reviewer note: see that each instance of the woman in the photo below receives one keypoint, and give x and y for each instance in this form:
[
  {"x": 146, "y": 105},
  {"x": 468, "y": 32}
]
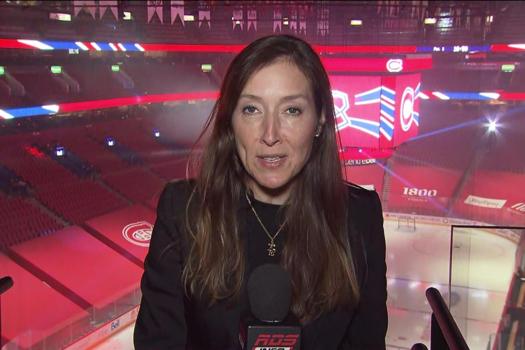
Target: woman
[{"x": 269, "y": 190}]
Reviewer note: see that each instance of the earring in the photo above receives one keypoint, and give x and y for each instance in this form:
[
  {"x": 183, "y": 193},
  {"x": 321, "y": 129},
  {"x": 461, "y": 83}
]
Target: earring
[{"x": 318, "y": 131}]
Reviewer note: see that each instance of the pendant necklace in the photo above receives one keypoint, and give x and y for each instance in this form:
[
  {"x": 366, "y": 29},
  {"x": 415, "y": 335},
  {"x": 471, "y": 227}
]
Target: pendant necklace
[{"x": 272, "y": 247}]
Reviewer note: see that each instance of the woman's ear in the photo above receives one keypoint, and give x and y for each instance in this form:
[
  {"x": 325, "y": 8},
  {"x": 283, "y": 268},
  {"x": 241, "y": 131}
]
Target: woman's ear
[
  {"x": 322, "y": 120},
  {"x": 320, "y": 124}
]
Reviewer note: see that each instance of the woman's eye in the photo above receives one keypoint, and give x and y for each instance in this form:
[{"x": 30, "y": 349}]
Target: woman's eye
[
  {"x": 293, "y": 111},
  {"x": 249, "y": 110}
]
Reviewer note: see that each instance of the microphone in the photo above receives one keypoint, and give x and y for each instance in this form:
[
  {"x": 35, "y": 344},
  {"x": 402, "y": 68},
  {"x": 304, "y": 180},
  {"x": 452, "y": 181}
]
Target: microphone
[{"x": 270, "y": 326}]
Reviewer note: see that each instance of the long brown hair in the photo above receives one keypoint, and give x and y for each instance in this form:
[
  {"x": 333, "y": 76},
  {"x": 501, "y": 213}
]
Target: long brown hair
[{"x": 317, "y": 252}]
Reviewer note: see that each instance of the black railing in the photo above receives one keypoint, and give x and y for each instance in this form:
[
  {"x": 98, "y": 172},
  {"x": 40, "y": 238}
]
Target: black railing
[{"x": 5, "y": 283}]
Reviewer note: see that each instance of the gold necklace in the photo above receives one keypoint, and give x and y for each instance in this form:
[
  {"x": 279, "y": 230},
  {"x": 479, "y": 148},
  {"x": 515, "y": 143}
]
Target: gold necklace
[{"x": 272, "y": 247}]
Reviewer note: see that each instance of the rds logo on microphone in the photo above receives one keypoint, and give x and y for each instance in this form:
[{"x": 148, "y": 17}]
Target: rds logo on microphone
[{"x": 276, "y": 342}]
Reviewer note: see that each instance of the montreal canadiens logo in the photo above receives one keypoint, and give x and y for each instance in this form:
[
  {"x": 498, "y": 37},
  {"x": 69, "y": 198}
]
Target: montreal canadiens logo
[
  {"x": 406, "y": 114},
  {"x": 138, "y": 233},
  {"x": 341, "y": 106},
  {"x": 394, "y": 65}
]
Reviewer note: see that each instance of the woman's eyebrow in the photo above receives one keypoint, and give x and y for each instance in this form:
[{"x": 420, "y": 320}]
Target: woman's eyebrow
[
  {"x": 250, "y": 96},
  {"x": 294, "y": 97},
  {"x": 285, "y": 98}
]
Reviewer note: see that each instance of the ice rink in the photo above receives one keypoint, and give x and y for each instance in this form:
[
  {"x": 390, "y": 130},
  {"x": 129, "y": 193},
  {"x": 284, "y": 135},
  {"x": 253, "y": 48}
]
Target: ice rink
[{"x": 482, "y": 266}]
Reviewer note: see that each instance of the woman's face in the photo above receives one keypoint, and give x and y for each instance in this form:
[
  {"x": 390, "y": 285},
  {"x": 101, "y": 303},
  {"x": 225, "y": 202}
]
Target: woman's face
[{"x": 274, "y": 124}]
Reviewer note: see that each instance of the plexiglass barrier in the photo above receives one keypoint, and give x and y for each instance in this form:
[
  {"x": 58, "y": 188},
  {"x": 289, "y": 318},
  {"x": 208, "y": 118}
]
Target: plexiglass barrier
[
  {"x": 486, "y": 285},
  {"x": 80, "y": 334}
]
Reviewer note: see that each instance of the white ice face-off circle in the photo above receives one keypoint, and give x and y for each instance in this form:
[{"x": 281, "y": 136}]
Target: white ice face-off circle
[
  {"x": 406, "y": 114},
  {"x": 341, "y": 107},
  {"x": 138, "y": 233}
]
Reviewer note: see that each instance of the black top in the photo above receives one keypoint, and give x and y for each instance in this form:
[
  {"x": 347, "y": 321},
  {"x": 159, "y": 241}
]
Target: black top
[{"x": 169, "y": 320}]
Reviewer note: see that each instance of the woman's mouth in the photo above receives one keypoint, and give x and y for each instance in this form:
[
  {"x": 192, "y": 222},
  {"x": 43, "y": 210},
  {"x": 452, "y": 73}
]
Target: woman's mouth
[{"x": 271, "y": 161}]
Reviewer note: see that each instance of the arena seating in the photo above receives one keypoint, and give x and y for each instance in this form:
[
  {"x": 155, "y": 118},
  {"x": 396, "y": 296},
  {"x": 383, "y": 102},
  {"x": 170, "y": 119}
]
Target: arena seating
[
  {"x": 456, "y": 143},
  {"x": 136, "y": 184},
  {"x": 80, "y": 200},
  {"x": 60, "y": 190},
  {"x": 137, "y": 135},
  {"x": 21, "y": 221},
  {"x": 80, "y": 141},
  {"x": 40, "y": 86},
  {"x": 7, "y": 97},
  {"x": 171, "y": 170},
  {"x": 503, "y": 153},
  {"x": 31, "y": 164},
  {"x": 96, "y": 81}
]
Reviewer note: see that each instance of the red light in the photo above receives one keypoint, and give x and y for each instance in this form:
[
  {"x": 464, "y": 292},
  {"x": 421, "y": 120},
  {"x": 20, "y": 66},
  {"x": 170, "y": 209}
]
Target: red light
[{"x": 35, "y": 152}]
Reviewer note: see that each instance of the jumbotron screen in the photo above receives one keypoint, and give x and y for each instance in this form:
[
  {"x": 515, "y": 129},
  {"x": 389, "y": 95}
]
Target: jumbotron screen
[{"x": 376, "y": 112}]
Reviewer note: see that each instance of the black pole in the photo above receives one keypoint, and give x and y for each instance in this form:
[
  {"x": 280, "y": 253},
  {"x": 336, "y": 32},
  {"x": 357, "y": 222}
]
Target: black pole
[{"x": 444, "y": 330}]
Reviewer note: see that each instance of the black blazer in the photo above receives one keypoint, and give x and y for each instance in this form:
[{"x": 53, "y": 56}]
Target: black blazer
[{"x": 169, "y": 320}]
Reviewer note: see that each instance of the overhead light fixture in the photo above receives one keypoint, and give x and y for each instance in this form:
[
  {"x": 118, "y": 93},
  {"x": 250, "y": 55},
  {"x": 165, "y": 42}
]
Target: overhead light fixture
[
  {"x": 492, "y": 126},
  {"x": 206, "y": 68},
  {"x": 189, "y": 18},
  {"x": 127, "y": 16},
  {"x": 356, "y": 22},
  {"x": 2, "y": 70},
  {"x": 115, "y": 68},
  {"x": 59, "y": 151},
  {"x": 430, "y": 20}
]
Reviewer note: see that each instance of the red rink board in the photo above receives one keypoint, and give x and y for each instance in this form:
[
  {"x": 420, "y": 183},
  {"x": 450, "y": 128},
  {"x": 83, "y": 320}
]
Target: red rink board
[
  {"x": 31, "y": 310},
  {"x": 366, "y": 175},
  {"x": 128, "y": 228},
  {"x": 499, "y": 197},
  {"x": 83, "y": 264},
  {"x": 421, "y": 187}
]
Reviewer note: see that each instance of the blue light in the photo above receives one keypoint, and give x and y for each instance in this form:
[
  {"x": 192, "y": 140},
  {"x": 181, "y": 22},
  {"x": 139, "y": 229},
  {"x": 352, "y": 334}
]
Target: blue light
[
  {"x": 465, "y": 96},
  {"x": 61, "y": 45}
]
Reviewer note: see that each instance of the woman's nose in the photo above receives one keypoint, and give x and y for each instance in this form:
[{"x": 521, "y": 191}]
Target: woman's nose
[{"x": 271, "y": 131}]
